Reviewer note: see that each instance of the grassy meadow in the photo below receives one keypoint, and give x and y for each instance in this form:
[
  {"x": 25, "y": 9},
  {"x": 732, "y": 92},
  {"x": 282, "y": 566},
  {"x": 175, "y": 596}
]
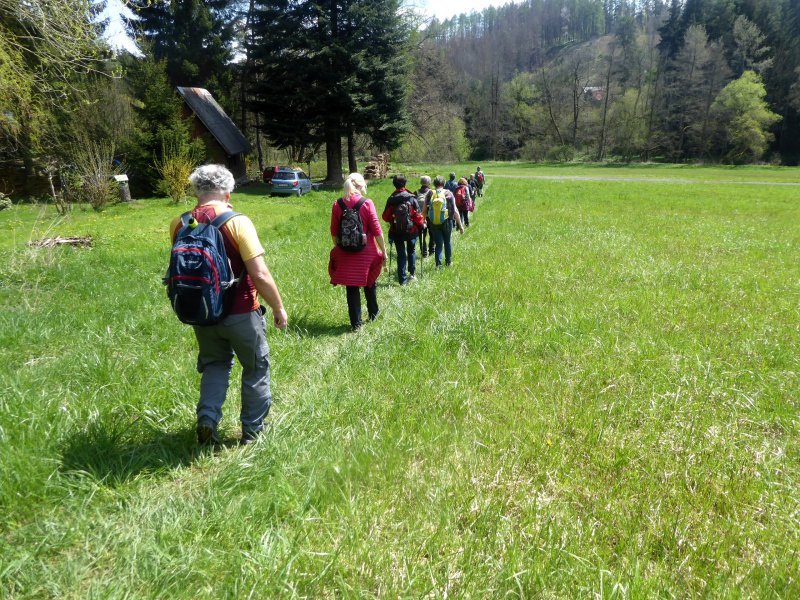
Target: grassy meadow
[{"x": 599, "y": 399}]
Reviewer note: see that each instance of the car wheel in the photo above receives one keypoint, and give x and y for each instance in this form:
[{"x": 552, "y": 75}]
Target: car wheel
[{"x": 299, "y": 192}]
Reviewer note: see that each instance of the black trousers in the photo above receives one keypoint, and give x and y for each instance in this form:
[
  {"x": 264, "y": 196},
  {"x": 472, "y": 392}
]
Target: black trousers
[
  {"x": 354, "y": 304},
  {"x": 426, "y": 239}
]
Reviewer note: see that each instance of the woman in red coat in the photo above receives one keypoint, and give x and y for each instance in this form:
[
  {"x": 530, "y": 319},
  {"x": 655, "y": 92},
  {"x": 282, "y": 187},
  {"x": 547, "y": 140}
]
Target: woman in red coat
[{"x": 358, "y": 269}]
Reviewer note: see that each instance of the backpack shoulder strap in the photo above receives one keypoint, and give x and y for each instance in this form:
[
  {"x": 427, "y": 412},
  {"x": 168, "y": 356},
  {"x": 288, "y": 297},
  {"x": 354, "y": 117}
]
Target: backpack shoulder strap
[
  {"x": 359, "y": 204},
  {"x": 220, "y": 220}
]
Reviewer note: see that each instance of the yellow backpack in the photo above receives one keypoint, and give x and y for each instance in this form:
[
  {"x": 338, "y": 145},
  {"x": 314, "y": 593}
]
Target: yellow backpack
[{"x": 438, "y": 212}]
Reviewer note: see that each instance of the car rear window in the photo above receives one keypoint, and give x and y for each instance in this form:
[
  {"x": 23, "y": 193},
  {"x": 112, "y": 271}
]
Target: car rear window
[{"x": 288, "y": 176}]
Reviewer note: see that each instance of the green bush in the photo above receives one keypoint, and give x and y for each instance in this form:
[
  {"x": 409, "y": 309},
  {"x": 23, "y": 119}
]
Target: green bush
[
  {"x": 563, "y": 153},
  {"x": 177, "y": 162}
]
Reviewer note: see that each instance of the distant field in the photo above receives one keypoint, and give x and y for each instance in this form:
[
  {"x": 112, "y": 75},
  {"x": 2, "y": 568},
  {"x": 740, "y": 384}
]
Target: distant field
[
  {"x": 644, "y": 171},
  {"x": 599, "y": 399}
]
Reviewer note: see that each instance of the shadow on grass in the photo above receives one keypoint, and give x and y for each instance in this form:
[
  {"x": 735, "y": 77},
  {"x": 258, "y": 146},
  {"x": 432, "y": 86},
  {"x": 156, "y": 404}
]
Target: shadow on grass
[
  {"x": 116, "y": 450},
  {"x": 308, "y": 328}
]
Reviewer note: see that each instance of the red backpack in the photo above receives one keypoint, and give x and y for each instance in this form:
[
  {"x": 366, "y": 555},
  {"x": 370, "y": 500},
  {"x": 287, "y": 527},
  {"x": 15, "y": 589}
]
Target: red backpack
[{"x": 463, "y": 200}]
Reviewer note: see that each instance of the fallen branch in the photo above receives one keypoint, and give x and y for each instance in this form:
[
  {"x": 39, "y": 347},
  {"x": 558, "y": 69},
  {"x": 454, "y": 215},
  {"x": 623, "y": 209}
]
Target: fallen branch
[{"x": 84, "y": 242}]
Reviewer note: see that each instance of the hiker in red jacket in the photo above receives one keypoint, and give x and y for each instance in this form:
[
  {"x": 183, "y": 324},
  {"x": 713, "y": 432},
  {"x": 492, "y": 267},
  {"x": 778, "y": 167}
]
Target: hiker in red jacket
[
  {"x": 403, "y": 213},
  {"x": 463, "y": 200},
  {"x": 351, "y": 264}
]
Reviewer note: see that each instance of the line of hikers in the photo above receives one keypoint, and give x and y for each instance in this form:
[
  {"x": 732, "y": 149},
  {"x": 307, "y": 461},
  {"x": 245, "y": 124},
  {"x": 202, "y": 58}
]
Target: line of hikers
[
  {"x": 359, "y": 251},
  {"x": 217, "y": 272}
]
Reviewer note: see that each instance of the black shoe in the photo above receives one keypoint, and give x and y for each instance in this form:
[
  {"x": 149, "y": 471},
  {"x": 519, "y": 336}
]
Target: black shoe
[
  {"x": 375, "y": 316},
  {"x": 207, "y": 434}
]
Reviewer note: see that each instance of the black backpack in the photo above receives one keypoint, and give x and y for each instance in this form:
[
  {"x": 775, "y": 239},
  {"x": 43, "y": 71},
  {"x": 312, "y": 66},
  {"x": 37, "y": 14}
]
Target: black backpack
[
  {"x": 402, "y": 223},
  {"x": 351, "y": 230}
]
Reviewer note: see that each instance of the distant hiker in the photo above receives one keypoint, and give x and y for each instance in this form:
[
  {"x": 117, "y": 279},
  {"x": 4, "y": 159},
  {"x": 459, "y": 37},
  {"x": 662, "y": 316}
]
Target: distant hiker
[
  {"x": 473, "y": 186},
  {"x": 423, "y": 193},
  {"x": 463, "y": 201},
  {"x": 480, "y": 180},
  {"x": 355, "y": 261},
  {"x": 441, "y": 210},
  {"x": 451, "y": 184},
  {"x": 242, "y": 331},
  {"x": 402, "y": 212}
]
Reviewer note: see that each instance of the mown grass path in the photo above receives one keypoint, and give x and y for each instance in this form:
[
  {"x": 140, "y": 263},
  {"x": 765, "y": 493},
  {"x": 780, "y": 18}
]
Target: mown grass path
[{"x": 598, "y": 399}]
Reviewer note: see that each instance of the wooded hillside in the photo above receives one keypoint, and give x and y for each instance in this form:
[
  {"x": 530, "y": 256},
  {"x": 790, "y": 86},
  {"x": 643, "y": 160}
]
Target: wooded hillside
[
  {"x": 634, "y": 79},
  {"x": 336, "y": 82}
]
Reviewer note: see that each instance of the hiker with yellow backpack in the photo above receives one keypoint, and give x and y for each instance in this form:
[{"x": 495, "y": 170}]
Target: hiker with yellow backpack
[{"x": 440, "y": 208}]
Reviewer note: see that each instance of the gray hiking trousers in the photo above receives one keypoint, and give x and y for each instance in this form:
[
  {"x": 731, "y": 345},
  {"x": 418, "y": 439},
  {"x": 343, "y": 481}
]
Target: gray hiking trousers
[{"x": 245, "y": 336}]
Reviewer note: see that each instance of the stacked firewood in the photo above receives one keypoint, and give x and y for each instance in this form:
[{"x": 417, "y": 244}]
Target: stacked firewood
[{"x": 378, "y": 167}]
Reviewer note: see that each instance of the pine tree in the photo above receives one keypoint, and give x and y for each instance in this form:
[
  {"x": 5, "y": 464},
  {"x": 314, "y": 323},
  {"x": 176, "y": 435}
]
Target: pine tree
[
  {"x": 195, "y": 39},
  {"x": 326, "y": 69},
  {"x": 159, "y": 120}
]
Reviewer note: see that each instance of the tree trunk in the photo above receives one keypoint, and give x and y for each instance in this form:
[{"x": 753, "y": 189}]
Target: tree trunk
[
  {"x": 602, "y": 146},
  {"x": 259, "y": 149},
  {"x": 333, "y": 154},
  {"x": 549, "y": 97},
  {"x": 247, "y": 69},
  {"x": 351, "y": 150},
  {"x": 651, "y": 117}
]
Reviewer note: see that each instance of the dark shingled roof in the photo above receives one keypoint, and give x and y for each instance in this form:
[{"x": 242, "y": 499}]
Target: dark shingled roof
[{"x": 216, "y": 121}]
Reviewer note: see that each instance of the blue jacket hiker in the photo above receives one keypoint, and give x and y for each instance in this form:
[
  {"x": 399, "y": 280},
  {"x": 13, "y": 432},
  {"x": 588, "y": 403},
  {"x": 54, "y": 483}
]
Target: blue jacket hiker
[{"x": 451, "y": 184}]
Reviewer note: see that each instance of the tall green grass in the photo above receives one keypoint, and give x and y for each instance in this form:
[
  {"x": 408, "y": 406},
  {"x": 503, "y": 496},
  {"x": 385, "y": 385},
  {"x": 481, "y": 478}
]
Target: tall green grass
[{"x": 598, "y": 399}]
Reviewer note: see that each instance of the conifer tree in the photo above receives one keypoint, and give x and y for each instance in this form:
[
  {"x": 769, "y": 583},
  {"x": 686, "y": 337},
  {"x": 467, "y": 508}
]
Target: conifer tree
[
  {"x": 194, "y": 37},
  {"x": 159, "y": 120},
  {"x": 323, "y": 69}
]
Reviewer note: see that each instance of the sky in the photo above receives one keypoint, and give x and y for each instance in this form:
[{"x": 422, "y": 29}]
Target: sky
[
  {"x": 116, "y": 14},
  {"x": 444, "y": 9}
]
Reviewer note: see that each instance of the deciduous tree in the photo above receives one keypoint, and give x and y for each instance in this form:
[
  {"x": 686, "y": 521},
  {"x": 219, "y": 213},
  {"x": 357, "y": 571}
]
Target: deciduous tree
[{"x": 744, "y": 118}]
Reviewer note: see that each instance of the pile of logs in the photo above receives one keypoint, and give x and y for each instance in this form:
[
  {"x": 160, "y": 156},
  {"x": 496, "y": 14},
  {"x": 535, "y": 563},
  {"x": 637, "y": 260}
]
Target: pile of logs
[
  {"x": 84, "y": 242},
  {"x": 378, "y": 167}
]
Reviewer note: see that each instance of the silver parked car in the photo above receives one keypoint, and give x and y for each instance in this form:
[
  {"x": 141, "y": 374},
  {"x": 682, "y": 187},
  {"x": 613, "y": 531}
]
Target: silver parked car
[{"x": 290, "y": 181}]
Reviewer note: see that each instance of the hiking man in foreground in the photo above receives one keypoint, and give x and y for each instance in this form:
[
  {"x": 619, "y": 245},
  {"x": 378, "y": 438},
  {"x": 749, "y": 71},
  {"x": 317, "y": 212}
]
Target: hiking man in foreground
[
  {"x": 402, "y": 212},
  {"x": 243, "y": 330}
]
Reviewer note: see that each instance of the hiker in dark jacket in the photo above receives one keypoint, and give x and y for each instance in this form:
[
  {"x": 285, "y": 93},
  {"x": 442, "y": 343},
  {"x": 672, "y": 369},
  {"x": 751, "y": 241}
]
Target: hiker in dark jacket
[
  {"x": 473, "y": 186},
  {"x": 405, "y": 220},
  {"x": 451, "y": 184}
]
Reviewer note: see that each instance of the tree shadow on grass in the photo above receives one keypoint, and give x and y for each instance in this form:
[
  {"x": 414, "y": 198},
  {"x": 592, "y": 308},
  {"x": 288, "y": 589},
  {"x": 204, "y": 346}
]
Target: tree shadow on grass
[{"x": 117, "y": 450}]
